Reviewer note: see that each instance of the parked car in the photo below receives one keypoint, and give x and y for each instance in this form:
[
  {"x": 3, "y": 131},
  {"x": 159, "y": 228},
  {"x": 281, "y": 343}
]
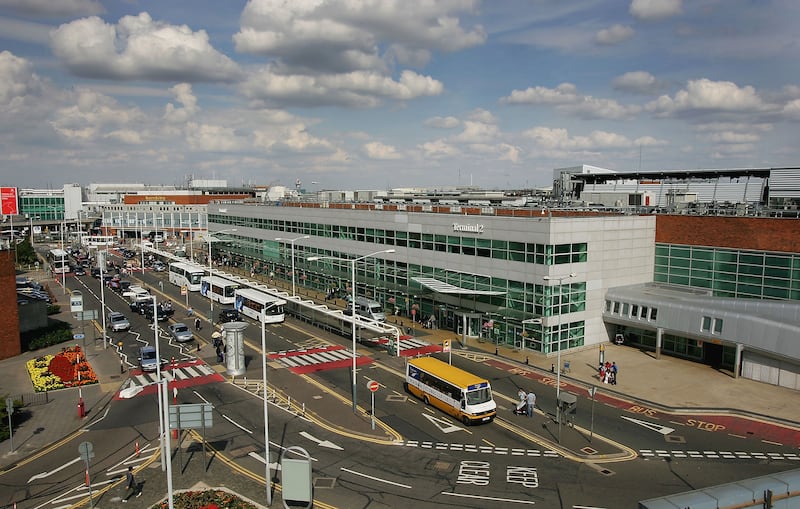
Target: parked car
[
  {"x": 159, "y": 266},
  {"x": 118, "y": 322},
  {"x": 181, "y": 332},
  {"x": 228, "y": 315},
  {"x": 148, "y": 360}
]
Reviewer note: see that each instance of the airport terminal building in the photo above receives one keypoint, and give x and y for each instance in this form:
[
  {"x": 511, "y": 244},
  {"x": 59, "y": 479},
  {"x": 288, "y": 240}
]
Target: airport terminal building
[{"x": 544, "y": 279}]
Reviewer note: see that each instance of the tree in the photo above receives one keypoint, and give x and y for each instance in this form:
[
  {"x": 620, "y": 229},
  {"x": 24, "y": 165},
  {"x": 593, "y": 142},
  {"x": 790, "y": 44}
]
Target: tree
[{"x": 25, "y": 253}]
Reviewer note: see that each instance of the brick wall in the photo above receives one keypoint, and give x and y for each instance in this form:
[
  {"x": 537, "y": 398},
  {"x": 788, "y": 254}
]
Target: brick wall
[
  {"x": 9, "y": 316},
  {"x": 763, "y": 234}
]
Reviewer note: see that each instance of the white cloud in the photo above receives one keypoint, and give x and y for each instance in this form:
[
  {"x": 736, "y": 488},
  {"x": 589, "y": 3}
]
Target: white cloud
[
  {"x": 346, "y": 35},
  {"x": 638, "y": 82},
  {"x": 138, "y": 48},
  {"x": 438, "y": 149},
  {"x": 558, "y": 138},
  {"x": 183, "y": 95},
  {"x": 655, "y": 10},
  {"x": 52, "y": 8},
  {"x": 378, "y": 150},
  {"x": 565, "y": 98},
  {"x": 92, "y": 116},
  {"x": 734, "y": 137},
  {"x": 709, "y": 96},
  {"x": 213, "y": 138},
  {"x": 443, "y": 122},
  {"x": 17, "y": 81},
  {"x": 127, "y": 136},
  {"x": 359, "y": 89},
  {"x": 614, "y": 35}
]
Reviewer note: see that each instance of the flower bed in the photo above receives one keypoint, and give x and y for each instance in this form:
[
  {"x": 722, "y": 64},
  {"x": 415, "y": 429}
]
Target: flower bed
[
  {"x": 208, "y": 499},
  {"x": 66, "y": 369}
]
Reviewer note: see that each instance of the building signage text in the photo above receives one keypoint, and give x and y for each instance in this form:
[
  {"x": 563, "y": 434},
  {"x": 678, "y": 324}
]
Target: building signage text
[{"x": 471, "y": 228}]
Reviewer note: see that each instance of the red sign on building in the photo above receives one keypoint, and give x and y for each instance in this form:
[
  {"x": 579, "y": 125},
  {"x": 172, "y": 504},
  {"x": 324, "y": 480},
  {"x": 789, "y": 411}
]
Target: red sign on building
[{"x": 8, "y": 200}]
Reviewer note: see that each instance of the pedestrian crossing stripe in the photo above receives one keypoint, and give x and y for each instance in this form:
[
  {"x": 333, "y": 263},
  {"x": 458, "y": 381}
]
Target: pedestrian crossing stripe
[
  {"x": 411, "y": 346},
  {"x": 181, "y": 376},
  {"x": 738, "y": 455},
  {"x": 322, "y": 358}
]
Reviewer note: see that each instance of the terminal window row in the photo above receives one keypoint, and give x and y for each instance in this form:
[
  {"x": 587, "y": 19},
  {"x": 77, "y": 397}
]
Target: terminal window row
[
  {"x": 630, "y": 310},
  {"x": 730, "y": 272},
  {"x": 541, "y": 254}
]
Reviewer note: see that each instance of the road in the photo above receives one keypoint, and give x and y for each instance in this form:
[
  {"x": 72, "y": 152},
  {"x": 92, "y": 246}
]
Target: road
[{"x": 625, "y": 452}]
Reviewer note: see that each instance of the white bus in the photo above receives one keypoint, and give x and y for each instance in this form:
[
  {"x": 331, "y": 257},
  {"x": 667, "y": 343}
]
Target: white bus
[
  {"x": 186, "y": 274},
  {"x": 58, "y": 260},
  {"x": 91, "y": 241},
  {"x": 250, "y": 302},
  {"x": 218, "y": 289}
]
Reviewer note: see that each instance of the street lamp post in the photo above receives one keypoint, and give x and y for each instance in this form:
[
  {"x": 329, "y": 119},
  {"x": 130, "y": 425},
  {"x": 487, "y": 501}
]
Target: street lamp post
[
  {"x": 352, "y": 261},
  {"x": 292, "y": 241},
  {"x": 560, "y": 280},
  {"x": 266, "y": 402},
  {"x": 210, "y": 239}
]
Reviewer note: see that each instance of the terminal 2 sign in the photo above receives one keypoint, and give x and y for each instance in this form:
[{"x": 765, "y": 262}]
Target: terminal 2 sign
[{"x": 469, "y": 228}]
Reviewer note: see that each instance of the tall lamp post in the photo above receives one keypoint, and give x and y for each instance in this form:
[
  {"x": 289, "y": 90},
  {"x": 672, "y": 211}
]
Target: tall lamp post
[
  {"x": 210, "y": 239},
  {"x": 560, "y": 280},
  {"x": 352, "y": 261},
  {"x": 292, "y": 241},
  {"x": 266, "y": 402}
]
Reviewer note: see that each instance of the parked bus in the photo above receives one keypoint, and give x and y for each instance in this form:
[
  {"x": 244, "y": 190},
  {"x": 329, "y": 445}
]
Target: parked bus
[
  {"x": 250, "y": 302},
  {"x": 186, "y": 274},
  {"x": 58, "y": 260},
  {"x": 218, "y": 289},
  {"x": 90, "y": 241},
  {"x": 465, "y": 396}
]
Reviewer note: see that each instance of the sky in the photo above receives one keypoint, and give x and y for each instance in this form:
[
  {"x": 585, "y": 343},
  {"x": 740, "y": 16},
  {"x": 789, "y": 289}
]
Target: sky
[{"x": 381, "y": 94}]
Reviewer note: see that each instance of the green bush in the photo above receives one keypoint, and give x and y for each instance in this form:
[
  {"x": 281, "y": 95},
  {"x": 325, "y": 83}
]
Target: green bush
[
  {"x": 57, "y": 333},
  {"x": 53, "y": 309}
]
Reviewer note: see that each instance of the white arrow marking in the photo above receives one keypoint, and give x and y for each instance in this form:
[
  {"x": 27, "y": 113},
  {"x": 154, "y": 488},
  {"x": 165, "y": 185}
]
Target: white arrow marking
[
  {"x": 130, "y": 391},
  {"x": 272, "y": 466},
  {"x": 443, "y": 425},
  {"x": 47, "y": 474},
  {"x": 321, "y": 443},
  {"x": 664, "y": 430}
]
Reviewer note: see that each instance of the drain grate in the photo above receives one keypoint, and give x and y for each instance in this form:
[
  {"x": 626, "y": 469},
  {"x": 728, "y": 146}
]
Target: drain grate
[
  {"x": 324, "y": 482},
  {"x": 442, "y": 466},
  {"x": 675, "y": 439},
  {"x": 588, "y": 450},
  {"x": 397, "y": 398}
]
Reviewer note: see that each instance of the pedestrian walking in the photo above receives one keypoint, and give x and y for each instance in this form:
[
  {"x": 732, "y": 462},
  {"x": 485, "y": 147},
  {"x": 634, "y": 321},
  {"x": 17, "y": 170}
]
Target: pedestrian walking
[
  {"x": 197, "y": 325},
  {"x": 614, "y": 373},
  {"x": 131, "y": 485},
  {"x": 531, "y": 403},
  {"x": 190, "y": 311}
]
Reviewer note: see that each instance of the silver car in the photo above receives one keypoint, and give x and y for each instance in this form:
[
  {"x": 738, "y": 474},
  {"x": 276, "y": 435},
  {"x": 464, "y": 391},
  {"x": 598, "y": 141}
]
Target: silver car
[
  {"x": 118, "y": 322},
  {"x": 181, "y": 332}
]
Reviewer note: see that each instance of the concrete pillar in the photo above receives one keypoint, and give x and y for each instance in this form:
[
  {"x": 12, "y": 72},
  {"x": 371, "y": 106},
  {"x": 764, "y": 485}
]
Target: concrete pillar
[
  {"x": 738, "y": 361},
  {"x": 659, "y": 340}
]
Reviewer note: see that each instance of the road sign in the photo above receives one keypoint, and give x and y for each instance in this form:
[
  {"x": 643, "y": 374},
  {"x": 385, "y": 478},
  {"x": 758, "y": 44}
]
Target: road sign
[
  {"x": 86, "y": 450},
  {"x": 9, "y": 406},
  {"x": 78, "y": 336},
  {"x": 184, "y": 290},
  {"x": 446, "y": 345},
  {"x": 372, "y": 385}
]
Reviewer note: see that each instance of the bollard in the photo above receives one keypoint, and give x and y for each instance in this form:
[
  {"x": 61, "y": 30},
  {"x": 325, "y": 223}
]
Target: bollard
[
  {"x": 81, "y": 408},
  {"x": 137, "y": 448},
  {"x": 304, "y": 408}
]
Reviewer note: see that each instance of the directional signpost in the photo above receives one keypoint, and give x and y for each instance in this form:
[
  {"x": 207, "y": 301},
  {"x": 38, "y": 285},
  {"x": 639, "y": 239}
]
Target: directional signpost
[
  {"x": 9, "y": 411},
  {"x": 86, "y": 450},
  {"x": 372, "y": 385}
]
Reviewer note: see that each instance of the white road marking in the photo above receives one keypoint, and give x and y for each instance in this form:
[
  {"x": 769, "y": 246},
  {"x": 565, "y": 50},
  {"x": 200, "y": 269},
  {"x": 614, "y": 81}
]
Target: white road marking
[{"x": 376, "y": 478}]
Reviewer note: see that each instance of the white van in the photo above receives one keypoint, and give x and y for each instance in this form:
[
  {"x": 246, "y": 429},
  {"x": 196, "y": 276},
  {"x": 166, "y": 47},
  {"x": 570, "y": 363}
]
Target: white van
[{"x": 369, "y": 309}]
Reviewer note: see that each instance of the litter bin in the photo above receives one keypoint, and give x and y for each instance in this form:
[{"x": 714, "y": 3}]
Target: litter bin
[{"x": 81, "y": 409}]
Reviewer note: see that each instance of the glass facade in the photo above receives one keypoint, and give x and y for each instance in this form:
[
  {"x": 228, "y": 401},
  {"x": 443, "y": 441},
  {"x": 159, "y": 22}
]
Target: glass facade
[
  {"x": 392, "y": 283},
  {"x": 730, "y": 272},
  {"x": 45, "y": 208}
]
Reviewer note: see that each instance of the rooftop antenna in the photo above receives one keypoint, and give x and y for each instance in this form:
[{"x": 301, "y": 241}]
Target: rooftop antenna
[{"x": 640, "y": 157}]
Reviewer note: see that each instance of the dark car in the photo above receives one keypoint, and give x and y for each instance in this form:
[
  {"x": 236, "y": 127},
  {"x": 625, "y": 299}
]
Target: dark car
[
  {"x": 146, "y": 309},
  {"x": 228, "y": 315},
  {"x": 79, "y": 271}
]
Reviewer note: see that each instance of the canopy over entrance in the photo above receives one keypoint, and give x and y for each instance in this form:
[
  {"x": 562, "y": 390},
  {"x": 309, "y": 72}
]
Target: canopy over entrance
[{"x": 443, "y": 287}]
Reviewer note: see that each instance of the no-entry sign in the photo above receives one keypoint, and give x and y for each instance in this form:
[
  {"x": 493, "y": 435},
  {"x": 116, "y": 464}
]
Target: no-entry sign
[{"x": 372, "y": 385}]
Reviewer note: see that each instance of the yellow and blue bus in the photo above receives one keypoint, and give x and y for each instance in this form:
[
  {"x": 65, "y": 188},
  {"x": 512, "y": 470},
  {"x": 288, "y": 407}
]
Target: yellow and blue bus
[{"x": 465, "y": 396}]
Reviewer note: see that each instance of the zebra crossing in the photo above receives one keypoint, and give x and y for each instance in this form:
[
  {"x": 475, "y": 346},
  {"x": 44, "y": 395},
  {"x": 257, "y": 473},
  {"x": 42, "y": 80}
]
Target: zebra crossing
[
  {"x": 410, "y": 346},
  {"x": 322, "y": 358},
  {"x": 179, "y": 375}
]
